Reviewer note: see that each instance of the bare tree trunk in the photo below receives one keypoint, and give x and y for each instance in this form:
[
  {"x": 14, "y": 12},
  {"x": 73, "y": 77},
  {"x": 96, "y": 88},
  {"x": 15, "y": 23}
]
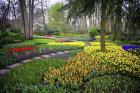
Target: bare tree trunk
[
  {"x": 22, "y": 4},
  {"x": 93, "y": 19},
  {"x": 90, "y": 21},
  {"x": 118, "y": 28},
  {"x": 31, "y": 6},
  {"x": 85, "y": 23},
  {"x": 103, "y": 25},
  {"x": 14, "y": 14},
  {"x": 81, "y": 24},
  {"x": 43, "y": 15},
  {"x": 4, "y": 17},
  {"x": 78, "y": 23},
  {"x": 108, "y": 26},
  {"x": 113, "y": 30},
  {"x": 63, "y": 1},
  {"x": 118, "y": 19}
]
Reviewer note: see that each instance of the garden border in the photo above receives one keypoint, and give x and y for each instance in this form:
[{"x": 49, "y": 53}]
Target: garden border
[{"x": 5, "y": 70}]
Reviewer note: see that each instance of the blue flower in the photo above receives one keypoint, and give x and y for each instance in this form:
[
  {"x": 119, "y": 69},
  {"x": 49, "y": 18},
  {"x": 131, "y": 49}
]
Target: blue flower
[{"x": 127, "y": 47}]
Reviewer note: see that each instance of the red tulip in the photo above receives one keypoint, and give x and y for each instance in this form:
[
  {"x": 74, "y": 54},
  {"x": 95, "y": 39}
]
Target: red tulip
[{"x": 21, "y": 49}]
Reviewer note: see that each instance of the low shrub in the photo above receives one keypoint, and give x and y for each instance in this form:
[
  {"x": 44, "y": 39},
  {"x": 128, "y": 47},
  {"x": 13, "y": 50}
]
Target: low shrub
[
  {"x": 93, "y": 32},
  {"x": 6, "y": 59},
  {"x": 80, "y": 38},
  {"x": 53, "y": 31},
  {"x": 11, "y": 36}
]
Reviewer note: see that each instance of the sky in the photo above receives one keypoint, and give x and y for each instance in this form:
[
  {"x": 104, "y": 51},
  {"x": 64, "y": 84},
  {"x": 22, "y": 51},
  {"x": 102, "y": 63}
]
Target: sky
[{"x": 54, "y": 1}]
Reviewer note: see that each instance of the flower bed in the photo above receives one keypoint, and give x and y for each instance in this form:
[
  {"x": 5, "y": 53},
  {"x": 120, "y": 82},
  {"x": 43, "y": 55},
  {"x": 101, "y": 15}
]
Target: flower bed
[
  {"x": 21, "y": 49},
  {"x": 115, "y": 60},
  {"x": 79, "y": 44},
  {"x": 76, "y": 70},
  {"x": 122, "y": 61},
  {"x": 19, "y": 54},
  {"x": 33, "y": 54},
  {"x": 107, "y": 44},
  {"x": 128, "y": 47}
]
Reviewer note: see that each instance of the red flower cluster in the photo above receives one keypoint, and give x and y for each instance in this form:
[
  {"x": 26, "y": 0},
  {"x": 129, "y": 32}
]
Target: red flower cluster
[
  {"x": 49, "y": 36},
  {"x": 60, "y": 40},
  {"x": 21, "y": 49}
]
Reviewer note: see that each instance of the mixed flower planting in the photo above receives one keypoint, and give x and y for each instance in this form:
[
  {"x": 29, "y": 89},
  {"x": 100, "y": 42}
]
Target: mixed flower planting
[
  {"x": 87, "y": 71},
  {"x": 22, "y": 52},
  {"x": 114, "y": 61}
]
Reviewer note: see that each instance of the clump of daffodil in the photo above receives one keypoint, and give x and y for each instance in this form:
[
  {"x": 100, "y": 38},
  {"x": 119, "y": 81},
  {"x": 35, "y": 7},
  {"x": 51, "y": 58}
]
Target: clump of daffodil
[
  {"x": 76, "y": 69},
  {"x": 114, "y": 59},
  {"x": 80, "y": 44},
  {"x": 121, "y": 60},
  {"x": 98, "y": 44}
]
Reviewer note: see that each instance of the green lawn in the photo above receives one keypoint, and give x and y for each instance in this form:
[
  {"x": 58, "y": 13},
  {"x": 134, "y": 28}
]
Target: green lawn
[
  {"x": 28, "y": 74},
  {"x": 39, "y": 41},
  {"x": 30, "y": 42}
]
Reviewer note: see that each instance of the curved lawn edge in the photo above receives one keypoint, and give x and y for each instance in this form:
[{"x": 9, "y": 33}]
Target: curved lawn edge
[{"x": 7, "y": 69}]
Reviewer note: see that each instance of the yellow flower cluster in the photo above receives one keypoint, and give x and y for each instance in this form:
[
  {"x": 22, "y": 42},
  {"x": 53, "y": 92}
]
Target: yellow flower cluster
[
  {"x": 93, "y": 49},
  {"x": 121, "y": 60},
  {"x": 84, "y": 63},
  {"x": 76, "y": 69},
  {"x": 80, "y": 44},
  {"x": 107, "y": 44}
]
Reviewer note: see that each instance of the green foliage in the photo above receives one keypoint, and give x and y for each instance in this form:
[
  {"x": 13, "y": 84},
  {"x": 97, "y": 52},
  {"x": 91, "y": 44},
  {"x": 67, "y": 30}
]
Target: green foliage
[
  {"x": 6, "y": 59},
  {"x": 93, "y": 32},
  {"x": 40, "y": 32},
  {"x": 80, "y": 38},
  {"x": 112, "y": 84},
  {"x": 57, "y": 19},
  {"x": 27, "y": 75},
  {"x": 11, "y": 36},
  {"x": 59, "y": 47},
  {"x": 53, "y": 31},
  {"x": 135, "y": 42},
  {"x": 38, "y": 88},
  {"x": 71, "y": 54}
]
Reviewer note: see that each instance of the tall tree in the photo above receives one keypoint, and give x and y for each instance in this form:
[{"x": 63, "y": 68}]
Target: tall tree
[
  {"x": 4, "y": 16},
  {"x": 31, "y": 16},
  {"x": 14, "y": 13},
  {"x": 86, "y": 7},
  {"x": 90, "y": 20},
  {"x": 22, "y": 4},
  {"x": 27, "y": 20},
  {"x": 118, "y": 19},
  {"x": 43, "y": 14},
  {"x": 103, "y": 24},
  {"x": 57, "y": 19}
]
